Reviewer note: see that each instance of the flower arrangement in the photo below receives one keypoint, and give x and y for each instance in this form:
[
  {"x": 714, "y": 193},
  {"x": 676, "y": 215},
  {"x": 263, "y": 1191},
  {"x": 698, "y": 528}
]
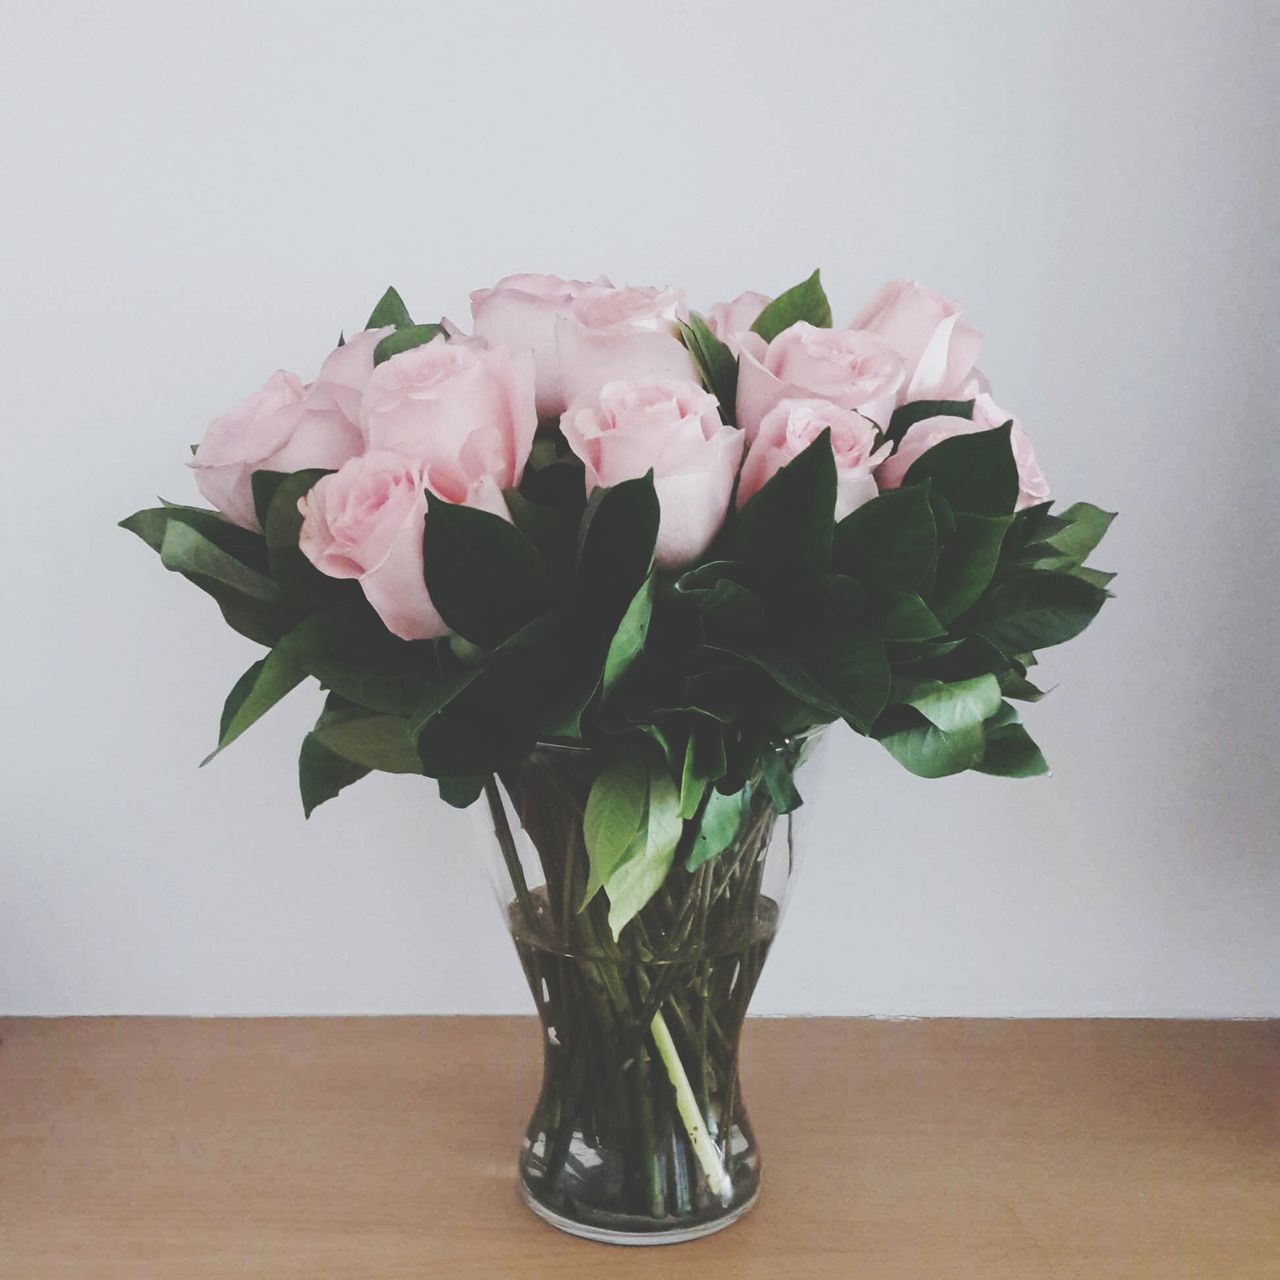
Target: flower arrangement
[{"x": 668, "y": 547}]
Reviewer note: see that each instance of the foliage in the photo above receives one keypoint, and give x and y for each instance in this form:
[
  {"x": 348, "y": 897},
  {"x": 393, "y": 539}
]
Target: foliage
[{"x": 913, "y": 620}]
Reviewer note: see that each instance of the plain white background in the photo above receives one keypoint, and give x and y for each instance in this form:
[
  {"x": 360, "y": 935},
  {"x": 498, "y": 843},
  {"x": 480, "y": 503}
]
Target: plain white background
[{"x": 197, "y": 194}]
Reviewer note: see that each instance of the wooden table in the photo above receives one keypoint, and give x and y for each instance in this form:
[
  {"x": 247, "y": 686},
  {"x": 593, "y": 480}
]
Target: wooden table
[{"x": 352, "y": 1148}]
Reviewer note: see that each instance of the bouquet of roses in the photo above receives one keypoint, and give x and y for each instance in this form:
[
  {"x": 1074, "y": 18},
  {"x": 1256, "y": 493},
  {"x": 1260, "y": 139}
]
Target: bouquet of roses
[{"x": 669, "y": 545}]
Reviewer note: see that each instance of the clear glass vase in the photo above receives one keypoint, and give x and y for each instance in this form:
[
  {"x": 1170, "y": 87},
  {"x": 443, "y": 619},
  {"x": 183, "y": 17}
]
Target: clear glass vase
[{"x": 640, "y": 1134}]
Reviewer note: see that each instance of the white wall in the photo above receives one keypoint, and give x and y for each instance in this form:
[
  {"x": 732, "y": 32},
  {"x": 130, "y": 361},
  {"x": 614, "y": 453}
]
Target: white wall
[{"x": 196, "y": 194}]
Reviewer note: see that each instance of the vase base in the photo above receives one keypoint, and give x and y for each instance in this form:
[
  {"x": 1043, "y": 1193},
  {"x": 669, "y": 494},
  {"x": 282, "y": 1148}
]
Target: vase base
[{"x": 606, "y": 1235}]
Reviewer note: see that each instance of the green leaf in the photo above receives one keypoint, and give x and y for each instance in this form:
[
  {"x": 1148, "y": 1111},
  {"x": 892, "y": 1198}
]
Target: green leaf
[
  {"x": 1010, "y": 752},
  {"x": 323, "y": 773},
  {"x": 715, "y": 363},
  {"x": 955, "y": 707},
  {"x": 244, "y": 545},
  {"x": 1013, "y": 685},
  {"x": 614, "y": 815},
  {"x": 638, "y": 876},
  {"x": 721, "y": 818},
  {"x": 975, "y": 473},
  {"x": 780, "y": 783},
  {"x": 405, "y": 339},
  {"x": 924, "y": 749},
  {"x": 484, "y": 576},
  {"x": 628, "y": 640},
  {"x": 276, "y": 496},
  {"x": 254, "y": 694},
  {"x": 374, "y": 742},
  {"x": 1097, "y": 577},
  {"x": 1036, "y": 609},
  {"x": 785, "y": 530},
  {"x": 900, "y": 615},
  {"x": 184, "y": 550},
  {"x": 619, "y": 533},
  {"x": 1085, "y": 526},
  {"x": 890, "y": 542},
  {"x": 966, "y": 563},
  {"x": 390, "y": 310},
  {"x": 461, "y": 793},
  {"x": 907, "y": 415},
  {"x": 804, "y": 301}
]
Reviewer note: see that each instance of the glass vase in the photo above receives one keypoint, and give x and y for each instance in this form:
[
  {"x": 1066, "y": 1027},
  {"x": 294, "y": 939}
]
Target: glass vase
[{"x": 640, "y": 1134}]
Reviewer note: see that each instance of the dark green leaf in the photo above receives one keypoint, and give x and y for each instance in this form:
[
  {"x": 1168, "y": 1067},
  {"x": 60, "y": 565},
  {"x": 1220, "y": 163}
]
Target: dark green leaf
[
  {"x": 1085, "y": 526},
  {"x": 715, "y": 363},
  {"x": 907, "y": 415},
  {"x": 390, "y": 310},
  {"x": 405, "y": 339},
  {"x": 484, "y": 576},
  {"x": 805, "y": 301},
  {"x": 902, "y": 616},
  {"x": 323, "y": 773},
  {"x": 785, "y": 530},
  {"x": 966, "y": 563},
  {"x": 1036, "y": 609},
  {"x": 890, "y": 542},
  {"x": 1010, "y": 752},
  {"x": 461, "y": 793},
  {"x": 254, "y": 694},
  {"x": 189, "y": 552},
  {"x": 975, "y": 473}
]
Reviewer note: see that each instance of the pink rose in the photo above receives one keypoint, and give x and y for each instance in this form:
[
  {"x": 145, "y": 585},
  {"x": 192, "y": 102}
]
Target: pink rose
[
  {"x": 365, "y": 521},
  {"x": 346, "y": 372},
  {"x": 520, "y": 312},
  {"x": 851, "y": 369},
  {"x": 922, "y": 436},
  {"x": 673, "y": 428},
  {"x": 621, "y": 335},
  {"x": 730, "y": 320},
  {"x": 791, "y": 426},
  {"x": 462, "y": 409},
  {"x": 927, "y": 331},
  {"x": 282, "y": 427}
]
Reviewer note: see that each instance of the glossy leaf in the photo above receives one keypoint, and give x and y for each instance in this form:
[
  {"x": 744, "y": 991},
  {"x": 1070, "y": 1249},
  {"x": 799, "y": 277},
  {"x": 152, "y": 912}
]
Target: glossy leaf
[
  {"x": 390, "y": 311},
  {"x": 1036, "y": 609},
  {"x": 484, "y": 576},
  {"x": 805, "y": 301},
  {"x": 975, "y": 473},
  {"x": 405, "y": 339},
  {"x": 718, "y": 828}
]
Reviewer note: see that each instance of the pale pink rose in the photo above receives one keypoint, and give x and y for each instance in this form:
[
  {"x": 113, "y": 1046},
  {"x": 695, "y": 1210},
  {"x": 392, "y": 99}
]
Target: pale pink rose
[
  {"x": 791, "y": 426},
  {"x": 852, "y": 369},
  {"x": 462, "y": 409},
  {"x": 674, "y": 429},
  {"x": 279, "y": 428},
  {"x": 921, "y": 436},
  {"x": 520, "y": 312},
  {"x": 621, "y": 335},
  {"x": 730, "y": 320},
  {"x": 345, "y": 374},
  {"x": 927, "y": 330},
  {"x": 365, "y": 521}
]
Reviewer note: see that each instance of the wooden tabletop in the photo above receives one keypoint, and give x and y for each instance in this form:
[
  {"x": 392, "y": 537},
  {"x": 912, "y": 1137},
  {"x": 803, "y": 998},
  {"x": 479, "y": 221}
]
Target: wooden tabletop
[{"x": 353, "y": 1148}]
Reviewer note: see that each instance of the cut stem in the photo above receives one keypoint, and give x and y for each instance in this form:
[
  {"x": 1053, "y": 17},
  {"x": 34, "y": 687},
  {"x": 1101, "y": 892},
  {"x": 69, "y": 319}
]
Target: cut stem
[{"x": 704, "y": 1149}]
